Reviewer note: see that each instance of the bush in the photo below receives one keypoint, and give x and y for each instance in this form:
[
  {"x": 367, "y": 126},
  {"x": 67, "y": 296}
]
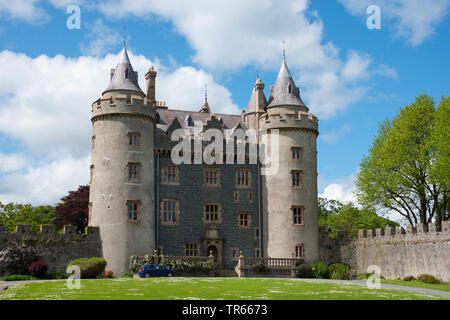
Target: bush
[
  {"x": 260, "y": 268},
  {"x": 428, "y": 278},
  {"x": 57, "y": 275},
  {"x": 339, "y": 271},
  {"x": 38, "y": 269},
  {"x": 109, "y": 274},
  {"x": 176, "y": 264},
  {"x": 18, "y": 277},
  {"x": 89, "y": 267},
  {"x": 409, "y": 278},
  {"x": 16, "y": 257},
  {"x": 320, "y": 270},
  {"x": 303, "y": 271}
]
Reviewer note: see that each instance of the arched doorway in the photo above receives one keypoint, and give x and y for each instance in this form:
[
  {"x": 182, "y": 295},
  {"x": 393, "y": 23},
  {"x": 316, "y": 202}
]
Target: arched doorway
[{"x": 213, "y": 250}]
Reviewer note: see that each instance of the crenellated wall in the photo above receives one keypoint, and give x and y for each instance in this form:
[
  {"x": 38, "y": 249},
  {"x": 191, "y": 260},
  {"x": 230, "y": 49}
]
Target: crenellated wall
[
  {"x": 58, "y": 249},
  {"x": 411, "y": 252}
]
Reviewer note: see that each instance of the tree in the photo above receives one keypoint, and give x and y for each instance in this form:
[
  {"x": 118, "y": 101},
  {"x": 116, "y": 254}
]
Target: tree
[
  {"x": 12, "y": 214},
  {"x": 396, "y": 173},
  {"x": 440, "y": 167},
  {"x": 17, "y": 256},
  {"x": 74, "y": 209},
  {"x": 336, "y": 216}
]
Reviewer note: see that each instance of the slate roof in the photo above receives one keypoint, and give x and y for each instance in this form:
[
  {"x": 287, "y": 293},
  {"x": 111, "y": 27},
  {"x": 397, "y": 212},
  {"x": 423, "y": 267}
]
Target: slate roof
[
  {"x": 279, "y": 93},
  {"x": 187, "y": 119},
  {"x": 123, "y": 77}
]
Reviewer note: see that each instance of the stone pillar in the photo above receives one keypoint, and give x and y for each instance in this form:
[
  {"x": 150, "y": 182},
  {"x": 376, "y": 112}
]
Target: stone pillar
[
  {"x": 241, "y": 266},
  {"x": 213, "y": 268},
  {"x": 293, "y": 266}
]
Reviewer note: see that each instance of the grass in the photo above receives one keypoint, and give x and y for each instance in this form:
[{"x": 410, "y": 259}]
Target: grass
[{"x": 205, "y": 288}]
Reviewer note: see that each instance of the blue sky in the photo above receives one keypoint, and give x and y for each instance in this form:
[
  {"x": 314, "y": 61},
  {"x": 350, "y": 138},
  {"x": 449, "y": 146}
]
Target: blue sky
[{"x": 351, "y": 77}]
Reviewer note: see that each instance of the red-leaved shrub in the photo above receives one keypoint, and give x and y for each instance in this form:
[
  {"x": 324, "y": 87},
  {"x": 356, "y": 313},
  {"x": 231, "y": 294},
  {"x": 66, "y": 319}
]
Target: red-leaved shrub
[{"x": 38, "y": 269}]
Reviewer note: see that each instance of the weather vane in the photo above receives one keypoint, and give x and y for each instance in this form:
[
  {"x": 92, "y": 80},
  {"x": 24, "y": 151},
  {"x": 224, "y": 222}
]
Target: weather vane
[{"x": 284, "y": 51}]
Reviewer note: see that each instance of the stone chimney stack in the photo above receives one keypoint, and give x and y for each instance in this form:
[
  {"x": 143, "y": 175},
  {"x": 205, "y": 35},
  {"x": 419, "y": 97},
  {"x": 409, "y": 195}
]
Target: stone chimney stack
[{"x": 150, "y": 77}]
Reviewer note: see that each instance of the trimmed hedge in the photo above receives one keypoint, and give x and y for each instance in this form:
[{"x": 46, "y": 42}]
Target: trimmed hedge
[
  {"x": 176, "y": 264},
  {"x": 18, "y": 277},
  {"x": 89, "y": 267},
  {"x": 428, "y": 278}
]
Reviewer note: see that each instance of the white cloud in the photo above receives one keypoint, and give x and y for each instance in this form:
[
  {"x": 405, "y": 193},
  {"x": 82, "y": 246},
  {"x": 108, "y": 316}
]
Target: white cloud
[
  {"x": 45, "y": 105},
  {"x": 414, "y": 20},
  {"x": 335, "y": 134},
  {"x": 26, "y": 10},
  {"x": 233, "y": 34},
  {"x": 45, "y": 184},
  {"x": 101, "y": 39},
  {"x": 12, "y": 162},
  {"x": 341, "y": 190}
]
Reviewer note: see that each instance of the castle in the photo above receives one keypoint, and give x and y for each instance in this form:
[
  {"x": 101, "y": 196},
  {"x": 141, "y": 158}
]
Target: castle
[{"x": 142, "y": 201}]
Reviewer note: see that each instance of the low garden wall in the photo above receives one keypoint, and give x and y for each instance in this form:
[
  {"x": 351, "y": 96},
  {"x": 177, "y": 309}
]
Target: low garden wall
[
  {"x": 57, "y": 249},
  {"x": 267, "y": 267}
]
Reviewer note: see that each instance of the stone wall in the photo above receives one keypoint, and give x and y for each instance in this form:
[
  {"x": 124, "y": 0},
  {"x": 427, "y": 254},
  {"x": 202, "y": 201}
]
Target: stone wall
[
  {"x": 396, "y": 251},
  {"x": 58, "y": 249}
]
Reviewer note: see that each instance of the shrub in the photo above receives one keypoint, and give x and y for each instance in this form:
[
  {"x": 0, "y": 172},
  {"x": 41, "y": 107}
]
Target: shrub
[
  {"x": 339, "y": 271},
  {"x": 320, "y": 270},
  {"x": 409, "y": 278},
  {"x": 176, "y": 264},
  {"x": 260, "y": 268},
  {"x": 109, "y": 274},
  {"x": 16, "y": 257},
  {"x": 18, "y": 277},
  {"x": 57, "y": 275},
  {"x": 38, "y": 269},
  {"x": 89, "y": 267},
  {"x": 303, "y": 271},
  {"x": 428, "y": 278}
]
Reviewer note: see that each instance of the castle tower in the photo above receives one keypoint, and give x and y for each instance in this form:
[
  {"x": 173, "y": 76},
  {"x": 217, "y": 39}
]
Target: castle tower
[
  {"x": 122, "y": 171},
  {"x": 289, "y": 198}
]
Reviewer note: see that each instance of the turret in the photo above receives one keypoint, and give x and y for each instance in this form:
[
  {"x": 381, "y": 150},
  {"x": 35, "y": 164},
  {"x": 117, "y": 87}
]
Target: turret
[
  {"x": 256, "y": 106},
  {"x": 122, "y": 171},
  {"x": 289, "y": 197}
]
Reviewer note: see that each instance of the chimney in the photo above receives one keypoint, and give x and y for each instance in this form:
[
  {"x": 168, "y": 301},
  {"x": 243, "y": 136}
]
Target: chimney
[{"x": 150, "y": 77}]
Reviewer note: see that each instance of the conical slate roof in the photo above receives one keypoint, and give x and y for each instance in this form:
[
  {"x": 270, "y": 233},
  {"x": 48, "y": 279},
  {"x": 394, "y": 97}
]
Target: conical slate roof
[
  {"x": 123, "y": 77},
  {"x": 285, "y": 92}
]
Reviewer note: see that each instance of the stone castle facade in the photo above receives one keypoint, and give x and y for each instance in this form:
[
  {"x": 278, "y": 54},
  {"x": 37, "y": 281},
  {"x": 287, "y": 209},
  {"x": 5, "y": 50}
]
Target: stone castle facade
[{"x": 142, "y": 201}]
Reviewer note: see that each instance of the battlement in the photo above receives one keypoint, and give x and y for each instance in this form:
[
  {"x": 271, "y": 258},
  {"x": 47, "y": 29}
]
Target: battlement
[
  {"x": 421, "y": 232},
  {"x": 69, "y": 233},
  {"x": 123, "y": 104},
  {"x": 288, "y": 118}
]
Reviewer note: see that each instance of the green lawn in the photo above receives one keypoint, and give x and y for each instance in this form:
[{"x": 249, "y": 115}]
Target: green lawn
[{"x": 204, "y": 288}]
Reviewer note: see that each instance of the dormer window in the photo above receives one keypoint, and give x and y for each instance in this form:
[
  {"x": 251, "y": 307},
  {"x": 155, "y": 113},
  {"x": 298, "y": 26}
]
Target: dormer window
[{"x": 126, "y": 73}]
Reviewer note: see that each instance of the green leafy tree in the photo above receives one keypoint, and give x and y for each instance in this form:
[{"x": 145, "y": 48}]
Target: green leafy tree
[
  {"x": 396, "y": 173},
  {"x": 440, "y": 167},
  {"x": 12, "y": 214},
  {"x": 336, "y": 216}
]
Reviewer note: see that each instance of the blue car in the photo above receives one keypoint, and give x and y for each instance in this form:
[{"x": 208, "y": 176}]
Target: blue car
[{"x": 155, "y": 270}]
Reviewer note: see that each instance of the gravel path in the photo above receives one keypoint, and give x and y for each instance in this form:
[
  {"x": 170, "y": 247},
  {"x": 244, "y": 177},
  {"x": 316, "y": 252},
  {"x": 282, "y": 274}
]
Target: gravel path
[{"x": 393, "y": 286}]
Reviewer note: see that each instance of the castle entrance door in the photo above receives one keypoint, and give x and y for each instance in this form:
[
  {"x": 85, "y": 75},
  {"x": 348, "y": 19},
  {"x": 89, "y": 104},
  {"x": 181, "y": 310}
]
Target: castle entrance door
[
  {"x": 213, "y": 250},
  {"x": 213, "y": 242}
]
